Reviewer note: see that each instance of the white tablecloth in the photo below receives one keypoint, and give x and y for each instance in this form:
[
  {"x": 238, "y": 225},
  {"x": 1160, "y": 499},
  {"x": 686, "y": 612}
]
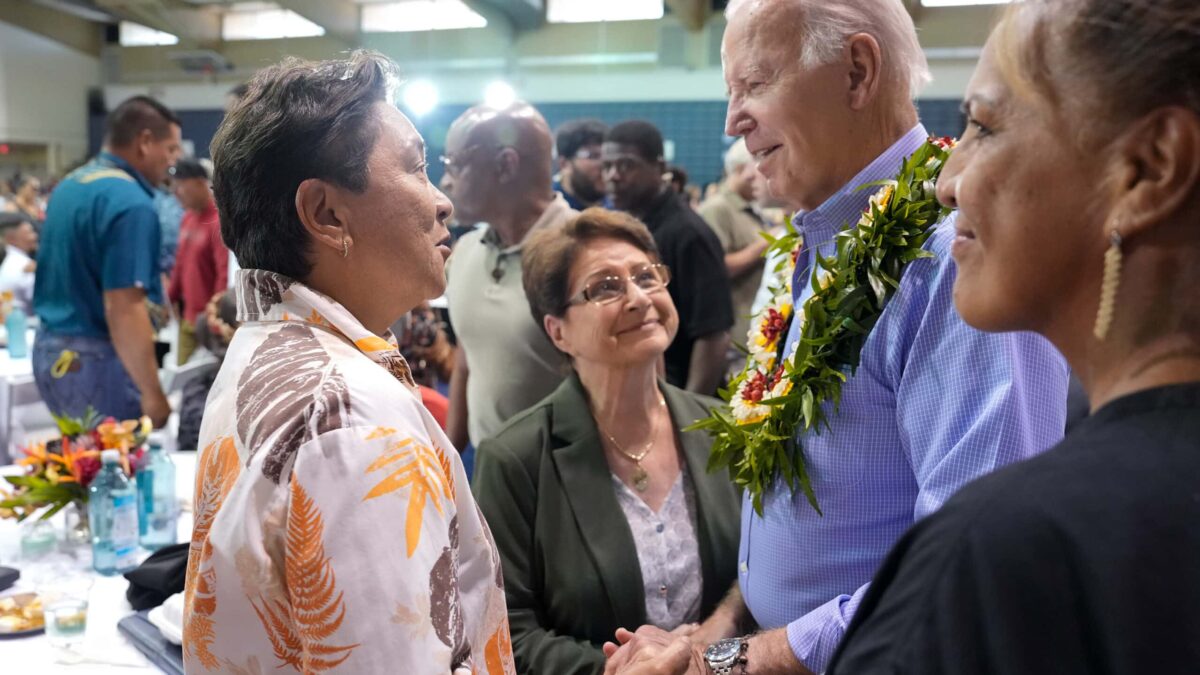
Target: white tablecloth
[{"x": 105, "y": 649}]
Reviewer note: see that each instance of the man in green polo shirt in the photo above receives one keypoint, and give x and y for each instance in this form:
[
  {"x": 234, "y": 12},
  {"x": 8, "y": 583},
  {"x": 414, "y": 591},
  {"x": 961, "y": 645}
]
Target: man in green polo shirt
[{"x": 97, "y": 266}]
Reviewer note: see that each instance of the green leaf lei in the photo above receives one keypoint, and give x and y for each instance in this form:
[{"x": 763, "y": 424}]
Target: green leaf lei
[{"x": 755, "y": 433}]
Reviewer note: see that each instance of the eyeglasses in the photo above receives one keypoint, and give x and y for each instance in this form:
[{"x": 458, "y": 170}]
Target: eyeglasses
[
  {"x": 589, "y": 154},
  {"x": 454, "y": 163},
  {"x": 606, "y": 289}
]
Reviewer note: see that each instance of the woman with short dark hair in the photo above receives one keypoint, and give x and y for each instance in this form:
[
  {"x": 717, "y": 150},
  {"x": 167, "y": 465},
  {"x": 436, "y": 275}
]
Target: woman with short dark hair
[
  {"x": 603, "y": 510},
  {"x": 333, "y": 523}
]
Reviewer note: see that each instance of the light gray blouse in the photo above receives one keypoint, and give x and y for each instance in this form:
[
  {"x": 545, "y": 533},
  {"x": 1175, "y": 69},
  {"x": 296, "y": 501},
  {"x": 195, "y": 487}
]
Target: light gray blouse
[{"x": 667, "y": 551}]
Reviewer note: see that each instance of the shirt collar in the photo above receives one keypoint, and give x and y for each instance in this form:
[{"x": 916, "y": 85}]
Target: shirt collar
[
  {"x": 116, "y": 162},
  {"x": 735, "y": 200},
  {"x": 267, "y": 297},
  {"x": 10, "y": 250},
  {"x": 208, "y": 212},
  {"x": 552, "y": 214},
  {"x": 666, "y": 199},
  {"x": 847, "y": 204}
]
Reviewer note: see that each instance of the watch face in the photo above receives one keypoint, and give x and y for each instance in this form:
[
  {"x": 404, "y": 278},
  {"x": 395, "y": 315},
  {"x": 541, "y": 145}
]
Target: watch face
[{"x": 723, "y": 650}]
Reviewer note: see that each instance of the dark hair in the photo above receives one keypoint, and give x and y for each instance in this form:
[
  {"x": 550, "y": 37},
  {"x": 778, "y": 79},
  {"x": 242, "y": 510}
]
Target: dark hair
[
  {"x": 240, "y": 90},
  {"x": 574, "y": 134},
  {"x": 679, "y": 177},
  {"x": 11, "y": 220},
  {"x": 1131, "y": 55},
  {"x": 299, "y": 120},
  {"x": 135, "y": 115},
  {"x": 189, "y": 168},
  {"x": 549, "y": 253},
  {"x": 640, "y": 134}
]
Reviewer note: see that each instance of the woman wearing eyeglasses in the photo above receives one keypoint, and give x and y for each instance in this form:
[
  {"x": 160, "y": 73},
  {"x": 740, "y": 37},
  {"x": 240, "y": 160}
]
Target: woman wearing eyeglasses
[{"x": 600, "y": 504}]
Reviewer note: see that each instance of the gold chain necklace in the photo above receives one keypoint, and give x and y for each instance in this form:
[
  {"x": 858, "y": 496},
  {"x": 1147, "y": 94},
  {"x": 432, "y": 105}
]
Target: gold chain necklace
[{"x": 641, "y": 479}]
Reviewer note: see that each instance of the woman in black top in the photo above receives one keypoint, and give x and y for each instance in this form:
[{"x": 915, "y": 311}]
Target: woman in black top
[{"x": 1078, "y": 189}]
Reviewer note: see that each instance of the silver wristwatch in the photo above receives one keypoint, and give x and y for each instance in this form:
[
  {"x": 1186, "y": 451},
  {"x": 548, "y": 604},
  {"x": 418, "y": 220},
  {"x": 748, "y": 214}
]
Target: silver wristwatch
[{"x": 722, "y": 655}]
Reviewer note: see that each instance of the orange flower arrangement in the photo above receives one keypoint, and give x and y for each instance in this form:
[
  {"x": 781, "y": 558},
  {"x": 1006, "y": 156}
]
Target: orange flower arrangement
[{"x": 58, "y": 473}]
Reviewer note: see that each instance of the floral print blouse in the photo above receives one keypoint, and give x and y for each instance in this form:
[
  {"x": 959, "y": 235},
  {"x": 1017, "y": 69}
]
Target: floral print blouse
[{"x": 334, "y": 527}]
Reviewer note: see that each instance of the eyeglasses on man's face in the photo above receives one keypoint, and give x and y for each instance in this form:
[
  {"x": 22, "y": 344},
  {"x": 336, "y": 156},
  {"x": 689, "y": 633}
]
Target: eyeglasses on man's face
[
  {"x": 454, "y": 162},
  {"x": 602, "y": 290},
  {"x": 591, "y": 154}
]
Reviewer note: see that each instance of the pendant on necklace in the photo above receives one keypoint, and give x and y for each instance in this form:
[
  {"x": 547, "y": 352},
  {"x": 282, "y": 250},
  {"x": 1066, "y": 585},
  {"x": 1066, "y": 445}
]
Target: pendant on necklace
[{"x": 641, "y": 479}]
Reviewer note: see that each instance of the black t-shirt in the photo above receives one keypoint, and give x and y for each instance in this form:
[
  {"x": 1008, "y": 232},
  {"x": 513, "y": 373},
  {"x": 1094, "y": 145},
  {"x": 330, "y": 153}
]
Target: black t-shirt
[
  {"x": 699, "y": 286},
  {"x": 1083, "y": 560}
]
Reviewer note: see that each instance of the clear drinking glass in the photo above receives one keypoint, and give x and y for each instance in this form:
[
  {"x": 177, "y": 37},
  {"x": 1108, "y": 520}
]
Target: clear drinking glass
[{"x": 65, "y": 606}]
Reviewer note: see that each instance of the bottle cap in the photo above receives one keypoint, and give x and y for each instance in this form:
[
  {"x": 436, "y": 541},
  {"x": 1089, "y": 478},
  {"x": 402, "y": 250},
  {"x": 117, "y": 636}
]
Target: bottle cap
[{"x": 110, "y": 456}]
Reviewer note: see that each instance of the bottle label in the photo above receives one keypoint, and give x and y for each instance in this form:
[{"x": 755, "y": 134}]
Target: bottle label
[{"x": 125, "y": 530}]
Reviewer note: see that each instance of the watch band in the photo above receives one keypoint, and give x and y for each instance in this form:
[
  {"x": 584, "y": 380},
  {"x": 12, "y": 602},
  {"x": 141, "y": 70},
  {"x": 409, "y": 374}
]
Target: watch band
[{"x": 726, "y": 667}]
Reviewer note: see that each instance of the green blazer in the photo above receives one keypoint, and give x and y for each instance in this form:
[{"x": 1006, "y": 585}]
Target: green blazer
[{"x": 571, "y": 572}]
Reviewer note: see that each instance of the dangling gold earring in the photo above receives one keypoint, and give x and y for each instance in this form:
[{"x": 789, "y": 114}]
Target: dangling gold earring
[
  {"x": 1108, "y": 287},
  {"x": 345, "y": 248}
]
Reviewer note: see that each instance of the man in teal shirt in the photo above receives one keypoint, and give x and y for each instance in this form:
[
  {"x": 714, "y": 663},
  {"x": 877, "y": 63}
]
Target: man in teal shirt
[{"x": 98, "y": 263}]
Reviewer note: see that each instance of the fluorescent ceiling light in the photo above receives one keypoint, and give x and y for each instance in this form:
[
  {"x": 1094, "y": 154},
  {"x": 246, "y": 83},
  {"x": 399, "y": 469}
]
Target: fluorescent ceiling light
[
  {"x": 419, "y": 15},
  {"x": 580, "y": 11},
  {"x": 136, "y": 35},
  {"x": 499, "y": 95},
  {"x": 961, "y": 3},
  {"x": 265, "y": 21},
  {"x": 420, "y": 97}
]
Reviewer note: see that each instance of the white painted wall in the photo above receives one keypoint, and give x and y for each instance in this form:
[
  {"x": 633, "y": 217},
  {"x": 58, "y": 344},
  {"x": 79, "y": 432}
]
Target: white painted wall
[{"x": 43, "y": 94}]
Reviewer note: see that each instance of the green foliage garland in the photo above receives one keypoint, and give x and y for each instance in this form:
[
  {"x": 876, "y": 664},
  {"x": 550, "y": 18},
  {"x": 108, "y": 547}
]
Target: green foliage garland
[{"x": 773, "y": 399}]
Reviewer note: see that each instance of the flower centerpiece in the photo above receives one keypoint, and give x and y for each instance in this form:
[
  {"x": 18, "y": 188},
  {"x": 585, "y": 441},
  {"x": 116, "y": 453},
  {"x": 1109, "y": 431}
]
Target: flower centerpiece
[
  {"x": 773, "y": 399},
  {"x": 58, "y": 472}
]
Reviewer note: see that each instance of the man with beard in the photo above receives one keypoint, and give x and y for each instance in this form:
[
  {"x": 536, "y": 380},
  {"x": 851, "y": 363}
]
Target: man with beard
[{"x": 580, "y": 180}]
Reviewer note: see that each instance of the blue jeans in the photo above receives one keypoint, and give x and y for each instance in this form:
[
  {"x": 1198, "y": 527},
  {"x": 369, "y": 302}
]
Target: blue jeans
[{"x": 95, "y": 378}]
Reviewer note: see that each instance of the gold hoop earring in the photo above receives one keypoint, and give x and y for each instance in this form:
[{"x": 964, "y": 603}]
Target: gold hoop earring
[
  {"x": 345, "y": 248},
  {"x": 1108, "y": 287}
]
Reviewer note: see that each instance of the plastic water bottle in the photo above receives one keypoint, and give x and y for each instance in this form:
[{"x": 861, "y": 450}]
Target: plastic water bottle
[
  {"x": 112, "y": 514},
  {"x": 16, "y": 323},
  {"x": 156, "y": 499}
]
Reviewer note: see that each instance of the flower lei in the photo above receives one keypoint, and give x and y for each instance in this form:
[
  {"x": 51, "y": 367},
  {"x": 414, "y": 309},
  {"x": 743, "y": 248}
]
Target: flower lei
[{"x": 772, "y": 399}]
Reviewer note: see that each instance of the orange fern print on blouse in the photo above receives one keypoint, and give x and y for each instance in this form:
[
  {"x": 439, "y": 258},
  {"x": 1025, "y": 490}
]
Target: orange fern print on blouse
[
  {"x": 215, "y": 475},
  {"x": 419, "y": 468},
  {"x": 334, "y": 529},
  {"x": 299, "y": 630}
]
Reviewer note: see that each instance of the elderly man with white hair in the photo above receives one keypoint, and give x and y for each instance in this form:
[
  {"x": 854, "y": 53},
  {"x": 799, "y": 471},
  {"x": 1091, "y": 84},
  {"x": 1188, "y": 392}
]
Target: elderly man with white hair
[
  {"x": 821, "y": 90},
  {"x": 733, "y": 217}
]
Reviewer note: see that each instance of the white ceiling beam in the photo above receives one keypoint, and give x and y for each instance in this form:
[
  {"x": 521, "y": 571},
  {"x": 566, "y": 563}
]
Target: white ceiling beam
[
  {"x": 339, "y": 18},
  {"x": 192, "y": 24}
]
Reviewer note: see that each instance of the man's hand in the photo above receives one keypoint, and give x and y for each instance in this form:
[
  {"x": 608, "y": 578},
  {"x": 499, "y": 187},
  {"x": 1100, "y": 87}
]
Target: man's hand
[
  {"x": 132, "y": 335},
  {"x": 686, "y": 630},
  {"x": 653, "y": 651},
  {"x": 156, "y": 407}
]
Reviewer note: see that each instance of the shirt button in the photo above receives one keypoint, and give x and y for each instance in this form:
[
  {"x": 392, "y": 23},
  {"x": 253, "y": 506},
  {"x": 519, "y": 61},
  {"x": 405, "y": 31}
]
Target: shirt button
[
  {"x": 659, "y": 528},
  {"x": 743, "y": 567},
  {"x": 662, "y": 590}
]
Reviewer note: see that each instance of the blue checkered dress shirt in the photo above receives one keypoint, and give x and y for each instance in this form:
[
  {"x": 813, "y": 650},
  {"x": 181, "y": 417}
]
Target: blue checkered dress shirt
[{"x": 934, "y": 404}]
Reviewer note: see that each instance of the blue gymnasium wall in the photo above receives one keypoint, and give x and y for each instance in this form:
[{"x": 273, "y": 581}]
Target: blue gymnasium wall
[{"x": 696, "y": 127}]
